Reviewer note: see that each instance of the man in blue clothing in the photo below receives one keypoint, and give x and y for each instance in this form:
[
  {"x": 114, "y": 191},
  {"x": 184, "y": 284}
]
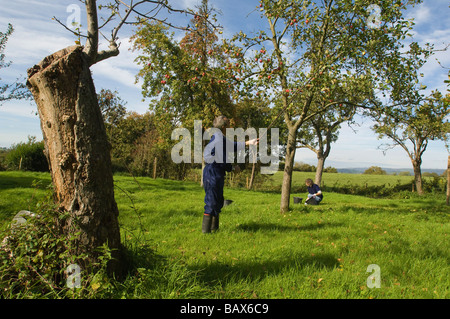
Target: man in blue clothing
[
  {"x": 218, "y": 162},
  {"x": 315, "y": 195}
]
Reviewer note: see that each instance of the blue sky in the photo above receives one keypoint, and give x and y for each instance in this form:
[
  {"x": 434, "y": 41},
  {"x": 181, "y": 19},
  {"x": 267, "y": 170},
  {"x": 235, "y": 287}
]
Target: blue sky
[{"x": 37, "y": 35}]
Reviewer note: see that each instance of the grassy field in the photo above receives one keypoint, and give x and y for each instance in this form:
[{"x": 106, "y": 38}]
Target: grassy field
[
  {"x": 21, "y": 191},
  {"x": 311, "y": 252}
]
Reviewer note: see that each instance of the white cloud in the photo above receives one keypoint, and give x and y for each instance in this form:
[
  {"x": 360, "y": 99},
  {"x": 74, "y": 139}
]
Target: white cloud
[
  {"x": 432, "y": 27},
  {"x": 18, "y": 108},
  {"x": 191, "y": 4},
  {"x": 109, "y": 71},
  {"x": 28, "y": 46},
  {"x": 421, "y": 14},
  {"x": 120, "y": 69},
  {"x": 17, "y": 122}
]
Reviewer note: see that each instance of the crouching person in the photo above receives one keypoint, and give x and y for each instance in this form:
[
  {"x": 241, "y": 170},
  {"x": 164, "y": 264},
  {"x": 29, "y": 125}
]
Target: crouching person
[{"x": 315, "y": 195}]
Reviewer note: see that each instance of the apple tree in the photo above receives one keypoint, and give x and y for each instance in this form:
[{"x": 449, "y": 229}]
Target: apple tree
[
  {"x": 303, "y": 47},
  {"x": 186, "y": 77},
  {"x": 319, "y": 132}
]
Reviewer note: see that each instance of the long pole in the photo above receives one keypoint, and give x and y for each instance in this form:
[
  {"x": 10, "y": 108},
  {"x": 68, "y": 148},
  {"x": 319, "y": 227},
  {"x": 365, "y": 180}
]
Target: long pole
[{"x": 448, "y": 181}]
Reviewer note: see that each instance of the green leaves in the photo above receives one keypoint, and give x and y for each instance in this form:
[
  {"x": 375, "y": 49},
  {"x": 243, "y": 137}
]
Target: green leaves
[{"x": 190, "y": 78}]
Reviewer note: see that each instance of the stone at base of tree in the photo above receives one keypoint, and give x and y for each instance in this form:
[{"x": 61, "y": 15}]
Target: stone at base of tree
[{"x": 21, "y": 218}]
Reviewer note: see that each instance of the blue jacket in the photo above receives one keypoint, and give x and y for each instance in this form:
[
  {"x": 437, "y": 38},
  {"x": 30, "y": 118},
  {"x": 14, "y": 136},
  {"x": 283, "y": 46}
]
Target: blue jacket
[
  {"x": 314, "y": 189},
  {"x": 218, "y": 150}
]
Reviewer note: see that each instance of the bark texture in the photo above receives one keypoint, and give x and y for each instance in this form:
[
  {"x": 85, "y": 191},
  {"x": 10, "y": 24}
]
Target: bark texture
[
  {"x": 77, "y": 148},
  {"x": 418, "y": 175},
  {"x": 288, "y": 168}
]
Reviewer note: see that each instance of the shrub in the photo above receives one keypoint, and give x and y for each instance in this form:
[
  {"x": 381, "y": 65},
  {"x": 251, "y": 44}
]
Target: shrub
[
  {"x": 27, "y": 156},
  {"x": 3, "y": 153},
  {"x": 330, "y": 169},
  {"x": 303, "y": 167},
  {"x": 375, "y": 170}
]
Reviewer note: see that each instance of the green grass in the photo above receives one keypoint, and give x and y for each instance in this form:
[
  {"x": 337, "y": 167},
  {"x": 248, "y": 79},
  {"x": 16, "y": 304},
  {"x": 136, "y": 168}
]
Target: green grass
[
  {"x": 329, "y": 179},
  {"x": 21, "y": 191},
  {"x": 310, "y": 252}
]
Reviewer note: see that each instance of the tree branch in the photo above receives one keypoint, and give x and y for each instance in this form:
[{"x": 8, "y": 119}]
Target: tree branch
[
  {"x": 105, "y": 54},
  {"x": 78, "y": 34},
  {"x": 91, "y": 46},
  {"x": 92, "y": 37},
  {"x": 306, "y": 145}
]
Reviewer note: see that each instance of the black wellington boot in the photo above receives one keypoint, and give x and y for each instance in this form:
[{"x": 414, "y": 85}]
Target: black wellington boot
[
  {"x": 215, "y": 223},
  {"x": 206, "y": 225}
]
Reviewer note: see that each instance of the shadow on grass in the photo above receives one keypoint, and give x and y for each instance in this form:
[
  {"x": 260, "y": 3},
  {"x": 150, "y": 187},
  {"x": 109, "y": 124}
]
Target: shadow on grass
[
  {"x": 147, "y": 184},
  {"x": 430, "y": 208},
  {"x": 214, "y": 272},
  {"x": 268, "y": 227},
  {"x": 141, "y": 256},
  {"x": 8, "y": 182}
]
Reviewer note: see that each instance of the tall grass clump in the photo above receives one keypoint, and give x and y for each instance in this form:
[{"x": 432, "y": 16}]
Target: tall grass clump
[{"x": 35, "y": 255}]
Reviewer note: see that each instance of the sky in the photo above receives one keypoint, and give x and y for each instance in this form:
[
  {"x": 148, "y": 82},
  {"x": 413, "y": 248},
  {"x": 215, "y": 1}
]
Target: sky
[{"x": 36, "y": 35}]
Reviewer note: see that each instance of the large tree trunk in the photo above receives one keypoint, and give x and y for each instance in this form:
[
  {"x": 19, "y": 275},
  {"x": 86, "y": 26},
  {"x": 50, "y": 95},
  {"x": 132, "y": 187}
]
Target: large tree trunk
[
  {"x": 418, "y": 176},
  {"x": 77, "y": 149},
  {"x": 288, "y": 166}
]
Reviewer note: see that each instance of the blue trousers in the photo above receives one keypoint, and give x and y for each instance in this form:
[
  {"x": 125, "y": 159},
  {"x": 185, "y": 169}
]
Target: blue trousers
[
  {"x": 317, "y": 198},
  {"x": 213, "y": 182}
]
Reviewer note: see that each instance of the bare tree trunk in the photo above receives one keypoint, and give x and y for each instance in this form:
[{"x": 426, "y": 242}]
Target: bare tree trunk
[
  {"x": 77, "y": 149},
  {"x": 319, "y": 170},
  {"x": 448, "y": 181},
  {"x": 418, "y": 177},
  {"x": 288, "y": 166}
]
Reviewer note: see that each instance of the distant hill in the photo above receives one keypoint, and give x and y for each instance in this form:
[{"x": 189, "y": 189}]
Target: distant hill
[{"x": 390, "y": 171}]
